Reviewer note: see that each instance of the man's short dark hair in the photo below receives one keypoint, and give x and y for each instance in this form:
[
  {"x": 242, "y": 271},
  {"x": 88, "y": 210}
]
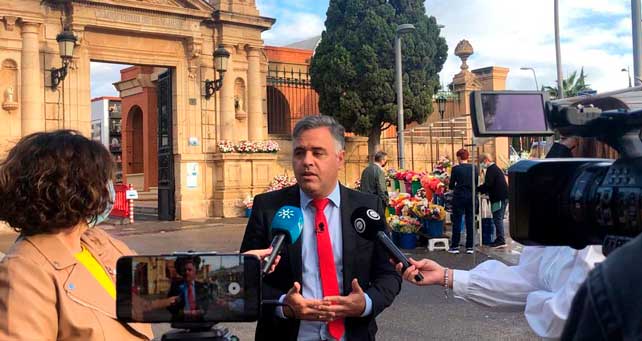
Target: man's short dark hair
[
  {"x": 54, "y": 180},
  {"x": 320, "y": 121},
  {"x": 380, "y": 155}
]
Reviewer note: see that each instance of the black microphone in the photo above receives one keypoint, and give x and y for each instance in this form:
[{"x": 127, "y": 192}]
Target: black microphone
[
  {"x": 285, "y": 228},
  {"x": 369, "y": 225}
]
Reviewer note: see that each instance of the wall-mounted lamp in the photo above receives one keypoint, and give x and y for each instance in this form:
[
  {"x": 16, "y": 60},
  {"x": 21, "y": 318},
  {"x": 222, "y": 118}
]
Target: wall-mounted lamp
[
  {"x": 221, "y": 58},
  {"x": 66, "y": 44}
]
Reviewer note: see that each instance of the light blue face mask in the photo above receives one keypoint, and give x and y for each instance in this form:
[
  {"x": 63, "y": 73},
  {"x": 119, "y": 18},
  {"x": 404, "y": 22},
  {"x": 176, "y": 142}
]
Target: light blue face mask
[{"x": 110, "y": 205}]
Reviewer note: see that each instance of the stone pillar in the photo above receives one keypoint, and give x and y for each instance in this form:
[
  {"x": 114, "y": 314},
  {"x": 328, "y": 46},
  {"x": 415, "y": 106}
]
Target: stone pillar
[
  {"x": 31, "y": 95},
  {"x": 254, "y": 104},
  {"x": 227, "y": 101}
]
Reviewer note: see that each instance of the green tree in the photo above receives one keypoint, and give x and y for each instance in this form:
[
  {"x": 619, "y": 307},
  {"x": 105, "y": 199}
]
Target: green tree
[
  {"x": 353, "y": 66},
  {"x": 572, "y": 85}
]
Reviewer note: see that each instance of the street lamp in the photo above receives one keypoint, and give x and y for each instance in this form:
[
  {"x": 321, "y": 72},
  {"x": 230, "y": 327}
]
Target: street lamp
[
  {"x": 628, "y": 73},
  {"x": 534, "y": 75},
  {"x": 441, "y": 105},
  {"x": 221, "y": 58},
  {"x": 401, "y": 29},
  {"x": 66, "y": 43}
]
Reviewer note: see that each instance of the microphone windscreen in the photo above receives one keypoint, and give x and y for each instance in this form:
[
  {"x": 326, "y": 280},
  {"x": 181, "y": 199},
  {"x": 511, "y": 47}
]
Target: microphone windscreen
[
  {"x": 367, "y": 222},
  {"x": 288, "y": 220}
]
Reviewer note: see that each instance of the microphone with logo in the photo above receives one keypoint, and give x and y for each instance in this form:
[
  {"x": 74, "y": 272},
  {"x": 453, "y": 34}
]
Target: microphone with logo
[
  {"x": 369, "y": 225},
  {"x": 285, "y": 228}
]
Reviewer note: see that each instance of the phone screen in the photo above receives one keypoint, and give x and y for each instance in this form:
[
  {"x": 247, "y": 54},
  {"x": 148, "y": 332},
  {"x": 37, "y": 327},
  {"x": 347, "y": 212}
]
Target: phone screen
[{"x": 188, "y": 288}]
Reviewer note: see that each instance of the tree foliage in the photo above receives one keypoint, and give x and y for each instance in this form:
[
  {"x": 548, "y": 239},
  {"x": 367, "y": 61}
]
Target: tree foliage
[
  {"x": 353, "y": 66},
  {"x": 572, "y": 85}
]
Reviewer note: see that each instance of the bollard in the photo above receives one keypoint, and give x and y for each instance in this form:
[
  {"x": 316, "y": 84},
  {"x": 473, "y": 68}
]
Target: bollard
[{"x": 131, "y": 207}]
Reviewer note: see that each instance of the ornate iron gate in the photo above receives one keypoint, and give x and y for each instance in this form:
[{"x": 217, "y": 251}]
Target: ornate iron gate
[{"x": 290, "y": 97}]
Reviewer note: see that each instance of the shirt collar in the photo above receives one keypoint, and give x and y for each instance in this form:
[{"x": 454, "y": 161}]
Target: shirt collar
[{"x": 335, "y": 197}]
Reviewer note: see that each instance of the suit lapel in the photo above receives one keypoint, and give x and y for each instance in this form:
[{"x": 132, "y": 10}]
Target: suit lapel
[{"x": 349, "y": 241}]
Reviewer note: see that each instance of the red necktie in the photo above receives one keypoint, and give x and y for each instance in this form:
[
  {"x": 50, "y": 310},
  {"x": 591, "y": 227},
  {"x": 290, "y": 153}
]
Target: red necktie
[
  {"x": 327, "y": 269},
  {"x": 190, "y": 297}
]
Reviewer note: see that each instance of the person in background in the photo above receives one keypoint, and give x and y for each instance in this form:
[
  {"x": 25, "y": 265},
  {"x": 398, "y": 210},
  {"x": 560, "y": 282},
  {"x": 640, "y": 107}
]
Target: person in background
[
  {"x": 461, "y": 183},
  {"x": 542, "y": 284},
  {"x": 496, "y": 187},
  {"x": 373, "y": 178}
]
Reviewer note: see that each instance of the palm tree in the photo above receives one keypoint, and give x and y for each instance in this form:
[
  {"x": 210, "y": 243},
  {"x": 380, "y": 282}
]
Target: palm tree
[{"x": 572, "y": 85}]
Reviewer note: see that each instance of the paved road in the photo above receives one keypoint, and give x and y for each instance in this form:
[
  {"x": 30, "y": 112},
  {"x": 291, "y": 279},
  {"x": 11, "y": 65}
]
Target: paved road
[{"x": 418, "y": 313}]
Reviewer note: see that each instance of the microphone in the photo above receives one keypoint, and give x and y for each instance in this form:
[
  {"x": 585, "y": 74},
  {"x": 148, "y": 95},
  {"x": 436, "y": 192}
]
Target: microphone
[
  {"x": 285, "y": 228},
  {"x": 369, "y": 225}
]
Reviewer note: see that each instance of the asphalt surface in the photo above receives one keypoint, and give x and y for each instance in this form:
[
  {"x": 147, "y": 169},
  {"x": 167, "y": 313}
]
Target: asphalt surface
[{"x": 418, "y": 313}]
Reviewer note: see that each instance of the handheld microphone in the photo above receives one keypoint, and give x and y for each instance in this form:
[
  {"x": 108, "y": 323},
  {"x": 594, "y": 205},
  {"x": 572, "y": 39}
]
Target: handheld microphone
[
  {"x": 285, "y": 228},
  {"x": 369, "y": 225}
]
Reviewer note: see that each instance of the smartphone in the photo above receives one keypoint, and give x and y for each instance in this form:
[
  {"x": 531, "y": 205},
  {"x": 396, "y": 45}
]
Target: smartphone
[{"x": 190, "y": 287}]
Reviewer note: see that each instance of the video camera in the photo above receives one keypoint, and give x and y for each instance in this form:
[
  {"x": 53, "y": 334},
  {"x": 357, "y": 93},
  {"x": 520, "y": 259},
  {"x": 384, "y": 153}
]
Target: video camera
[{"x": 569, "y": 202}]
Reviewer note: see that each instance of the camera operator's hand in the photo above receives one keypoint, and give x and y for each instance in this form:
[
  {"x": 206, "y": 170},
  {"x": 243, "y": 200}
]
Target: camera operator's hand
[
  {"x": 433, "y": 272},
  {"x": 264, "y": 253},
  {"x": 302, "y": 308},
  {"x": 352, "y": 305}
]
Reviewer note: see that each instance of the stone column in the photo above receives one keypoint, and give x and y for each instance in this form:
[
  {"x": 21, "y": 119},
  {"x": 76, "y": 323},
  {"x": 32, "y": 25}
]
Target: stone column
[
  {"x": 31, "y": 94},
  {"x": 254, "y": 104},
  {"x": 227, "y": 101}
]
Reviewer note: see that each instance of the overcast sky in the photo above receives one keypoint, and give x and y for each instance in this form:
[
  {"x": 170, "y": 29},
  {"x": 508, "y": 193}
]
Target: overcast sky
[{"x": 595, "y": 34}]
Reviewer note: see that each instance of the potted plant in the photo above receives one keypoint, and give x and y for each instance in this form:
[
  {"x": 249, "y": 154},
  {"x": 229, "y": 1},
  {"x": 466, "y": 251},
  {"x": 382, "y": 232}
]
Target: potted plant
[{"x": 405, "y": 227}]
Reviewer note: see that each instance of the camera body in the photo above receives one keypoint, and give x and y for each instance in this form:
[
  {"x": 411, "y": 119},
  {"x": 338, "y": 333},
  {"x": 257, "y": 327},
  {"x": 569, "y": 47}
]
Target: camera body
[{"x": 571, "y": 202}]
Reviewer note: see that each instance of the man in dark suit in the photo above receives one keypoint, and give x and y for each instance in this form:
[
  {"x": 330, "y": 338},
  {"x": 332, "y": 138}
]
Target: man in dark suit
[
  {"x": 496, "y": 187},
  {"x": 191, "y": 297},
  {"x": 332, "y": 282},
  {"x": 373, "y": 178}
]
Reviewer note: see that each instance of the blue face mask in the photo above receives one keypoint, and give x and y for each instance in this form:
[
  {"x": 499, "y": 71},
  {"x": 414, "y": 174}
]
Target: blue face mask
[{"x": 110, "y": 205}]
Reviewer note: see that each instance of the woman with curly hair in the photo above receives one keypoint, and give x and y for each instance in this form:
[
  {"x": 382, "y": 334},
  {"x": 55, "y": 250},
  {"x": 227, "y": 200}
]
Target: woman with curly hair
[{"x": 57, "y": 280}]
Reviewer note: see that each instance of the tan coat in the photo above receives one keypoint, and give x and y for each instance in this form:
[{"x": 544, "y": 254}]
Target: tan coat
[{"x": 46, "y": 295}]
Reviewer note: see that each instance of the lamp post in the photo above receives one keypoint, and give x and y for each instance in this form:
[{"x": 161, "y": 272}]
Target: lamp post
[
  {"x": 628, "y": 72},
  {"x": 401, "y": 29},
  {"x": 430, "y": 137},
  {"x": 636, "y": 33},
  {"x": 452, "y": 138},
  {"x": 66, "y": 44},
  {"x": 534, "y": 75},
  {"x": 558, "y": 52},
  {"x": 221, "y": 58}
]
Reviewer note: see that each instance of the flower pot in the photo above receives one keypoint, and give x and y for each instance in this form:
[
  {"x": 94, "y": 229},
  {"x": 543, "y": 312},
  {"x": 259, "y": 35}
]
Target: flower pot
[
  {"x": 391, "y": 210},
  {"x": 248, "y": 212},
  {"x": 433, "y": 228},
  {"x": 395, "y": 185},
  {"x": 408, "y": 187},
  {"x": 407, "y": 240},
  {"x": 416, "y": 185}
]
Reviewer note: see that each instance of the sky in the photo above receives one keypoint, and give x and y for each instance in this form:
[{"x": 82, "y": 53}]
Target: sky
[{"x": 595, "y": 34}]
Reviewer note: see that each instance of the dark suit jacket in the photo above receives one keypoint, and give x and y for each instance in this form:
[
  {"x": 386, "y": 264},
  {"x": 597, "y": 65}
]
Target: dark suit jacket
[
  {"x": 373, "y": 181},
  {"x": 202, "y": 298},
  {"x": 363, "y": 259}
]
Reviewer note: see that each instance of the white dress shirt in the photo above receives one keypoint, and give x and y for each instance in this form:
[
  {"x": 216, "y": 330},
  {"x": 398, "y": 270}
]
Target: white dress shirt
[
  {"x": 311, "y": 286},
  {"x": 544, "y": 282}
]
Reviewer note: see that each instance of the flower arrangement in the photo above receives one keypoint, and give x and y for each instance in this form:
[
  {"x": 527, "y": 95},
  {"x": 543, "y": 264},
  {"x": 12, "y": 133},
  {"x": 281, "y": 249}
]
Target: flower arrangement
[
  {"x": 248, "y": 201},
  {"x": 435, "y": 212},
  {"x": 226, "y": 146},
  {"x": 433, "y": 185},
  {"x": 391, "y": 174},
  {"x": 248, "y": 147},
  {"x": 404, "y": 224},
  {"x": 442, "y": 166},
  {"x": 280, "y": 182}
]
